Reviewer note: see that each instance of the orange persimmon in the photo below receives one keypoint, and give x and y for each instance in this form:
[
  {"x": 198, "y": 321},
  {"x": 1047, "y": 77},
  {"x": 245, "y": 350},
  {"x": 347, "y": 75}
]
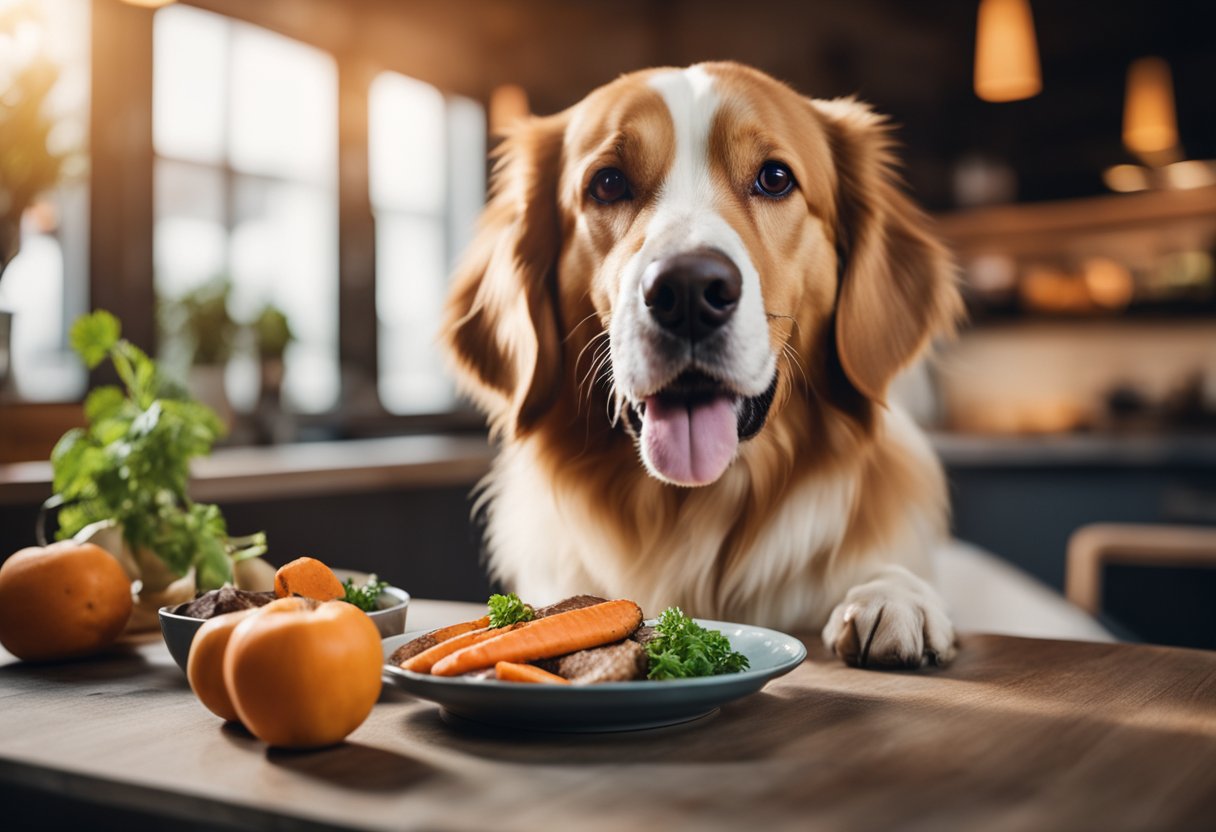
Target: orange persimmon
[
  {"x": 301, "y": 674},
  {"x": 205, "y": 667},
  {"x": 308, "y": 578},
  {"x": 65, "y": 600}
]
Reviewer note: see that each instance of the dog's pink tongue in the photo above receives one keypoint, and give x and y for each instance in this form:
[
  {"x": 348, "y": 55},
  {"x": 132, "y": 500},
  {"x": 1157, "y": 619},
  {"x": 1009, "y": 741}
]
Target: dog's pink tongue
[{"x": 690, "y": 444}]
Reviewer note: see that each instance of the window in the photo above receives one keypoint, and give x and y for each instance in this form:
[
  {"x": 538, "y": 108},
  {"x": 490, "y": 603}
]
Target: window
[
  {"x": 427, "y": 174},
  {"x": 246, "y": 141},
  {"x": 46, "y": 285}
]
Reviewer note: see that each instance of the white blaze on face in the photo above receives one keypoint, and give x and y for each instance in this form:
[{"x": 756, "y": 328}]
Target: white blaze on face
[{"x": 689, "y": 445}]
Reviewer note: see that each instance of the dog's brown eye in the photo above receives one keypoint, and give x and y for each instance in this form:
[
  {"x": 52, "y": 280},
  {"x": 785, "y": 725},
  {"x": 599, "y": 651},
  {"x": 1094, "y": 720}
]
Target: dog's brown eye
[
  {"x": 774, "y": 179},
  {"x": 609, "y": 185}
]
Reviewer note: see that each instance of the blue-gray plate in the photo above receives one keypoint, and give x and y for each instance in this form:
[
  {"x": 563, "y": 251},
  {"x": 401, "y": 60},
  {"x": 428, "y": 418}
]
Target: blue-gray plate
[{"x": 611, "y": 706}]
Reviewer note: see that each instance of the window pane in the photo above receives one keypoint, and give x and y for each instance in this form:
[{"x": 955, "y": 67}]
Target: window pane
[
  {"x": 190, "y": 55},
  {"x": 285, "y": 252},
  {"x": 189, "y": 240},
  {"x": 467, "y": 145},
  {"x": 284, "y": 98},
  {"x": 46, "y": 285},
  {"x": 411, "y": 267},
  {"x": 406, "y": 144},
  {"x": 33, "y": 291}
]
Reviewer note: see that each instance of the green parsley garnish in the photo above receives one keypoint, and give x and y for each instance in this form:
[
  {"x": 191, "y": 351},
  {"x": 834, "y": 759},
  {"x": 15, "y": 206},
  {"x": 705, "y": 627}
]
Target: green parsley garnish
[
  {"x": 132, "y": 462},
  {"x": 682, "y": 648},
  {"x": 508, "y": 609},
  {"x": 365, "y": 597}
]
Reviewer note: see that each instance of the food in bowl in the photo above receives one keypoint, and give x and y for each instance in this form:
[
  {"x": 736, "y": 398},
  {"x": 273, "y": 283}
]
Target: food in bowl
[
  {"x": 386, "y": 606},
  {"x": 581, "y": 640}
]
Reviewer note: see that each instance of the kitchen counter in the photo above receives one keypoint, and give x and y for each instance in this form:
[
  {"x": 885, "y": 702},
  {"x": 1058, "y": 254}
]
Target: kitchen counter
[
  {"x": 361, "y": 465},
  {"x": 1017, "y": 734}
]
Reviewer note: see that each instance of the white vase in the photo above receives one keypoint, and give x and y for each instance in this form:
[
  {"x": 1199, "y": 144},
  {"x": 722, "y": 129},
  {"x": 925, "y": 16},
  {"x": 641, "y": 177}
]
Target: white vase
[{"x": 206, "y": 384}]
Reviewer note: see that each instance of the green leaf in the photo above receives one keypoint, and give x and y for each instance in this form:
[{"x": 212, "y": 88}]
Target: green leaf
[
  {"x": 132, "y": 463},
  {"x": 508, "y": 609},
  {"x": 247, "y": 548},
  {"x": 683, "y": 648},
  {"x": 103, "y": 403},
  {"x": 366, "y": 597},
  {"x": 93, "y": 336},
  {"x": 213, "y": 569}
]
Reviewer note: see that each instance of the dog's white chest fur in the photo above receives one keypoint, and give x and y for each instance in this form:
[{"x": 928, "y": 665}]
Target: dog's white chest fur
[{"x": 548, "y": 540}]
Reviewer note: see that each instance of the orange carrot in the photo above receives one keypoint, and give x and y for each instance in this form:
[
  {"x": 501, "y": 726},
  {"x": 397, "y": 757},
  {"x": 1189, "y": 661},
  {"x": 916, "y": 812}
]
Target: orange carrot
[
  {"x": 309, "y": 578},
  {"x": 547, "y": 637},
  {"x": 429, "y": 640},
  {"x": 514, "y": 672},
  {"x": 424, "y": 661}
]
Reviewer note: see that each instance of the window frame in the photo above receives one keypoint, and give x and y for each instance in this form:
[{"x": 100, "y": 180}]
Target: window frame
[{"x": 121, "y": 213}]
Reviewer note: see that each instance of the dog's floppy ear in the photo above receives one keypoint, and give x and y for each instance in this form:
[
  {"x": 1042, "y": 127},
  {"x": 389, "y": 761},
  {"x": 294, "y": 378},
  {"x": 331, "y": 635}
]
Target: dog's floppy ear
[
  {"x": 501, "y": 322},
  {"x": 897, "y": 282}
]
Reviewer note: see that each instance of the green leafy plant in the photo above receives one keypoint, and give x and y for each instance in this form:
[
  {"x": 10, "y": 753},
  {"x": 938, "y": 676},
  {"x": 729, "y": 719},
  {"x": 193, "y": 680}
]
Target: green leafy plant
[
  {"x": 682, "y": 648},
  {"x": 365, "y": 597},
  {"x": 273, "y": 332},
  {"x": 508, "y": 609},
  {"x": 131, "y": 464},
  {"x": 202, "y": 317}
]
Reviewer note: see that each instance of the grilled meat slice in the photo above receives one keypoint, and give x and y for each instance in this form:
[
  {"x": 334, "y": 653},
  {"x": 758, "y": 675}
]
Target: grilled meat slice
[
  {"x": 623, "y": 661},
  {"x": 574, "y": 602}
]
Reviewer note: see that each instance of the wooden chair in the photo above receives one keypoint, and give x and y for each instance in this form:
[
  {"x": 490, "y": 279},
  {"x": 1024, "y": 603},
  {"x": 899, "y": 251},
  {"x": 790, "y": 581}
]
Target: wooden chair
[{"x": 1092, "y": 548}]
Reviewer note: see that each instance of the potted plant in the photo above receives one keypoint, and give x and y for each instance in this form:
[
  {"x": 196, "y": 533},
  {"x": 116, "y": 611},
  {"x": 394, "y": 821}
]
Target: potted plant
[
  {"x": 121, "y": 481},
  {"x": 272, "y": 335},
  {"x": 202, "y": 319}
]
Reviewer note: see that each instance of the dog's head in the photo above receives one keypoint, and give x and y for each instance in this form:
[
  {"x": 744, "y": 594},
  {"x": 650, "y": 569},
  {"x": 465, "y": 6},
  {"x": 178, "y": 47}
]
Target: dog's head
[{"x": 700, "y": 243}]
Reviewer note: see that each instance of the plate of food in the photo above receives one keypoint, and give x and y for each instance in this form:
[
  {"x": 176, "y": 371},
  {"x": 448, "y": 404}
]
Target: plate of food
[{"x": 586, "y": 664}]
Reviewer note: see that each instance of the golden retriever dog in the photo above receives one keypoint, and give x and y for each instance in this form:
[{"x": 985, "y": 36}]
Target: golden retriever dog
[{"x": 681, "y": 313}]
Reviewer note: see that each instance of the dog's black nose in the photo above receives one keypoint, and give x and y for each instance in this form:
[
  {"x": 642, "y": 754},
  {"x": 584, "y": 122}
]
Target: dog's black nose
[{"x": 692, "y": 294}]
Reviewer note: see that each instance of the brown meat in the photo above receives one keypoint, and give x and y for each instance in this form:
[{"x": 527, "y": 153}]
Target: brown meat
[
  {"x": 223, "y": 600},
  {"x": 623, "y": 661},
  {"x": 575, "y": 602},
  {"x": 413, "y": 648},
  {"x": 644, "y": 635}
]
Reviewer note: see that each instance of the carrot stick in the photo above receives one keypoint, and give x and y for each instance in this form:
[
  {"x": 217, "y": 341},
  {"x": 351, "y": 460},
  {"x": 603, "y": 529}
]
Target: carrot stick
[
  {"x": 514, "y": 672},
  {"x": 307, "y": 577},
  {"x": 544, "y": 638},
  {"x": 424, "y": 661},
  {"x": 429, "y": 640}
]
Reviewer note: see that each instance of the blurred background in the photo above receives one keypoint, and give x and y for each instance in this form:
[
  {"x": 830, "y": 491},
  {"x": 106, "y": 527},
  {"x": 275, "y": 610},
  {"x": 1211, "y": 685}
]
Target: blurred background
[{"x": 270, "y": 196}]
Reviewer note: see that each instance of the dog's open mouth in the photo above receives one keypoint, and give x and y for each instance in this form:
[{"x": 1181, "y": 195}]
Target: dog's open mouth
[{"x": 690, "y": 430}]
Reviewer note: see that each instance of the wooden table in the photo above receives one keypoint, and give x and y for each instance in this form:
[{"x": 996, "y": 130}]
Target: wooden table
[{"x": 1017, "y": 734}]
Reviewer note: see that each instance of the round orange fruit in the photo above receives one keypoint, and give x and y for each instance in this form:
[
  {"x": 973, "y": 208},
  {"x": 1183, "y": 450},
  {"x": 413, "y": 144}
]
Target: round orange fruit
[
  {"x": 205, "y": 667},
  {"x": 302, "y": 674},
  {"x": 62, "y": 601}
]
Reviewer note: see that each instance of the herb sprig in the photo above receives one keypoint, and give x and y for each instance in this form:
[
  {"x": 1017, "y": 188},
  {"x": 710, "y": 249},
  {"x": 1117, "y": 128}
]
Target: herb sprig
[
  {"x": 682, "y": 648},
  {"x": 506, "y": 610},
  {"x": 365, "y": 597},
  {"x": 131, "y": 464}
]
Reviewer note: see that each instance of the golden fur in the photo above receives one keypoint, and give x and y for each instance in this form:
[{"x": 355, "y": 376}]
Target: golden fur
[{"x": 835, "y": 489}]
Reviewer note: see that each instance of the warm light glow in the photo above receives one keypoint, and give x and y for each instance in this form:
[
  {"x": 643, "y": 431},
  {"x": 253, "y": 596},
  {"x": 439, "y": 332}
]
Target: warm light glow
[
  {"x": 1150, "y": 126},
  {"x": 1110, "y": 284},
  {"x": 1190, "y": 174},
  {"x": 149, "y": 4},
  {"x": 1006, "y": 54},
  {"x": 1126, "y": 178},
  {"x": 508, "y": 104}
]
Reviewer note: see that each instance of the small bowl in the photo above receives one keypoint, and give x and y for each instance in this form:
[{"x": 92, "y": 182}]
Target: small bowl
[{"x": 179, "y": 630}]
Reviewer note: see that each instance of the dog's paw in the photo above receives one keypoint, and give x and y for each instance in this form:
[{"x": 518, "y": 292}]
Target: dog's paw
[{"x": 893, "y": 621}]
